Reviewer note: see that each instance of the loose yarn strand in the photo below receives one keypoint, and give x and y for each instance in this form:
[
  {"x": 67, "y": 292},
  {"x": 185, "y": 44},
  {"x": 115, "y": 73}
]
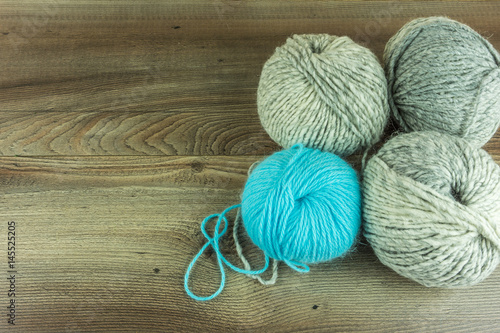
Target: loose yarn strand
[
  {"x": 245, "y": 262},
  {"x": 197, "y": 256},
  {"x": 214, "y": 241},
  {"x": 239, "y": 250}
]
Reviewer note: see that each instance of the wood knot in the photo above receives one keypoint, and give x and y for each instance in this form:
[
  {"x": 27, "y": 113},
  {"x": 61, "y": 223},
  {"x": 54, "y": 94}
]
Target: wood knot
[{"x": 197, "y": 167}]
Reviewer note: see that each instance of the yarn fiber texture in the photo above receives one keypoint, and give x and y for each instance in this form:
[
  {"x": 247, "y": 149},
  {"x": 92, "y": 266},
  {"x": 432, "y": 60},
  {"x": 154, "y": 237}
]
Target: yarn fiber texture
[
  {"x": 432, "y": 209},
  {"x": 444, "y": 76},
  {"x": 302, "y": 206},
  {"x": 323, "y": 91}
]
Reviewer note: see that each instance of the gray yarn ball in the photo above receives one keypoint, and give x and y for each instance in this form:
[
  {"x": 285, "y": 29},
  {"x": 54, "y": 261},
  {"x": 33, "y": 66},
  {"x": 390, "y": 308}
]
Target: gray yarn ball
[
  {"x": 325, "y": 92},
  {"x": 432, "y": 209},
  {"x": 444, "y": 76}
]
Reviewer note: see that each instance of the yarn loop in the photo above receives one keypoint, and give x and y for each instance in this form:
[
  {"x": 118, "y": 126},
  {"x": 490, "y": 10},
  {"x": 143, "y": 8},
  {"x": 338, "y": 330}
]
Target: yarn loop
[{"x": 221, "y": 260}]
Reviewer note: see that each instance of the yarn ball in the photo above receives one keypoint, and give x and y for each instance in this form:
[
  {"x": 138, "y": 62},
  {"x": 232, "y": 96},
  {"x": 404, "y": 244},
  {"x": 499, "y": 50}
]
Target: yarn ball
[
  {"x": 444, "y": 76},
  {"x": 323, "y": 91},
  {"x": 302, "y": 206},
  {"x": 431, "y": 209}
]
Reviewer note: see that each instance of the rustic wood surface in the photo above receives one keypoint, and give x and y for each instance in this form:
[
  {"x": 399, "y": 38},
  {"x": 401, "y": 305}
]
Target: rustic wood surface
[{"x": 123, "y": 124}]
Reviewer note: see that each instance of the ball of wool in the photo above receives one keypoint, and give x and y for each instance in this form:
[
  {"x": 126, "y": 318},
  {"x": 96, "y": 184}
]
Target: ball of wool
[
  {"x": 302, "y": 206},
  {"x": 444, "y": 76},
  {"x": 325, "y": 92},
  {"x": 432, "y": 209}
]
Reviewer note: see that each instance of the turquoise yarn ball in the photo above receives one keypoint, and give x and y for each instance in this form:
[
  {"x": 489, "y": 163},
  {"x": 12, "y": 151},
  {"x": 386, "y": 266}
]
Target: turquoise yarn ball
[{"x": 302, "y": 206}]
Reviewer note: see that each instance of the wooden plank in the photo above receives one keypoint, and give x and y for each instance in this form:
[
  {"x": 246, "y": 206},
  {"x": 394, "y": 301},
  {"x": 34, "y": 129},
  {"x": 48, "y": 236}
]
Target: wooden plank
[
  {"x": 142, "y": 133},
  {"x": 170, "y": 56},
  {"x": 102, "y": 244}
]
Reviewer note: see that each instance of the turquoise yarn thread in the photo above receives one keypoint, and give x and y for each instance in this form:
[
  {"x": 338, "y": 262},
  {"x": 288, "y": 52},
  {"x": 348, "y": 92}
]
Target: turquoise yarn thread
[
  {"x": 214, "y": 241},
  {"x": 300, "y": 205}
]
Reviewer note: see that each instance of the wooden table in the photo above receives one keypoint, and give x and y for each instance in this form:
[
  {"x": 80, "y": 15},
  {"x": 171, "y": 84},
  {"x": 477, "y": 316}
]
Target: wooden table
[{"x": 123, "y": 124}]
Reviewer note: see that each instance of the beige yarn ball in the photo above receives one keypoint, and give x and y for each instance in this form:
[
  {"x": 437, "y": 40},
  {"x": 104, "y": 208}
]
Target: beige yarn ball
[
  {"x": 444, "y": 76},
  {"x": 325, "y": 92},
  {"x": 432, "y": 209}
]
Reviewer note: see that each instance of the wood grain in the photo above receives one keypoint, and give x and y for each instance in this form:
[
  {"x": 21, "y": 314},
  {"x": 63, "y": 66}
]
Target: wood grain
[
  {"x": 123, "y": 124},
  {"x": 133, "y": 133},
  {"x": 142, "y": 133}
]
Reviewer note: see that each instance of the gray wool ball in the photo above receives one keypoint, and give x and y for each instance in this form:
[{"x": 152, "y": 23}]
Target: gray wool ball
[
  {"x": 431, "y": 209},
  {"x": 325, "y": 92},
  {"x": 444, "y": 76}
]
